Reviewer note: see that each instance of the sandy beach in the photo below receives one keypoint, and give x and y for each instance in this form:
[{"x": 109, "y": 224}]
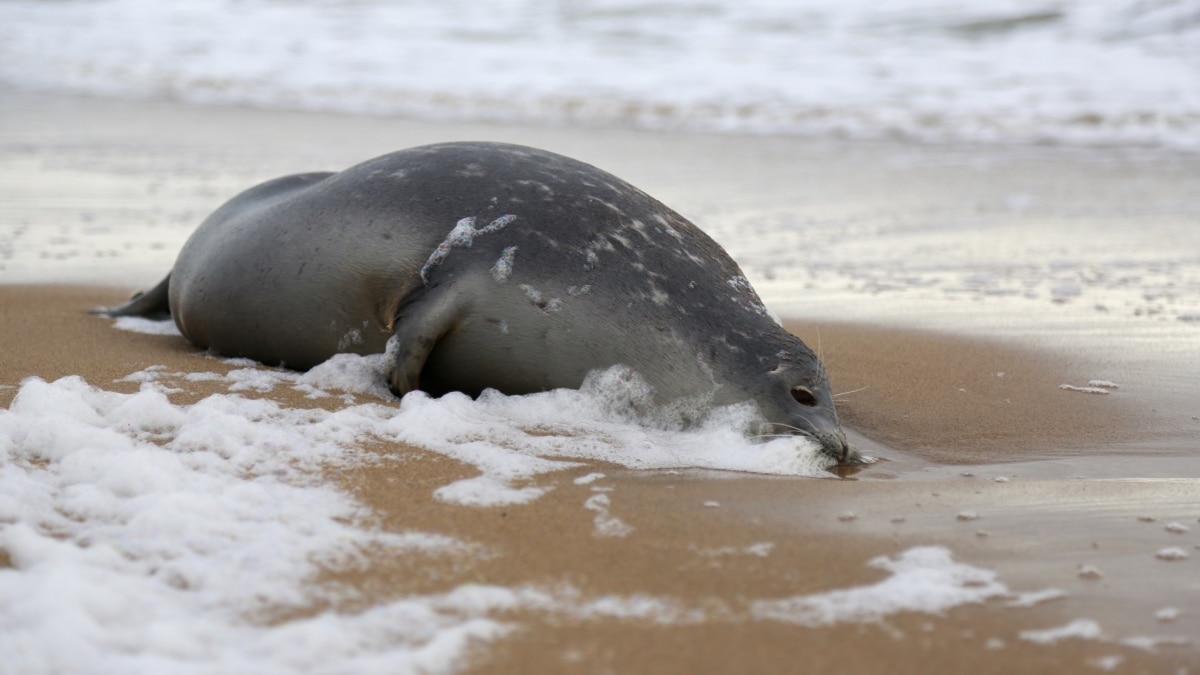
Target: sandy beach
[{"x": 1069, "y": 498}]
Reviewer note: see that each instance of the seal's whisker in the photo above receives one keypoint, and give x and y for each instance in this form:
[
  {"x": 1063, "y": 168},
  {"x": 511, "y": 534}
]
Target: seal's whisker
[
  {"x": 852, "y": 391},
  {"x": 774, "y": 436},
  {"x": 788, "y": 426}
]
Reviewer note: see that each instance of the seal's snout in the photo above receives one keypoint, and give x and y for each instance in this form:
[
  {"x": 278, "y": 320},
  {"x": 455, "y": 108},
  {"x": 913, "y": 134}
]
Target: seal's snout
[
  {"x": 828, "y": 434},
  {"x": 834, "y": 444}
]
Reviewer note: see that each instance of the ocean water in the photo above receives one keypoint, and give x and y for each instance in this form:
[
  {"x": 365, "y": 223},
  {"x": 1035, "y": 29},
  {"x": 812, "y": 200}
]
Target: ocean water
[{"x": 1104, "y": 72}]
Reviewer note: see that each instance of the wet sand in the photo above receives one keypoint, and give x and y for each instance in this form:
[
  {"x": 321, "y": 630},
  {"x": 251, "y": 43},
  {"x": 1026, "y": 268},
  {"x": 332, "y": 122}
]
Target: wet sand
[{"x": 1010, "y": 472}]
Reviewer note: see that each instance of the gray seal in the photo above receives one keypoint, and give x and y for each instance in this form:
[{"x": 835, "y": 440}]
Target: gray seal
[{"x": 494, "y": 266}]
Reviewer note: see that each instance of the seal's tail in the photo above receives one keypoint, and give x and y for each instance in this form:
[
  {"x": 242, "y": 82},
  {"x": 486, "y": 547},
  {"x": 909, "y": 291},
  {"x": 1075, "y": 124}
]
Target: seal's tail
[{"x": 153, "y": 304}]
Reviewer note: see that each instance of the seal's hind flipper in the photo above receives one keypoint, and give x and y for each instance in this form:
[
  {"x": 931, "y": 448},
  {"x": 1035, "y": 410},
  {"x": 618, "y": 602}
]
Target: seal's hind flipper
[{"x": 153, "y": 304}]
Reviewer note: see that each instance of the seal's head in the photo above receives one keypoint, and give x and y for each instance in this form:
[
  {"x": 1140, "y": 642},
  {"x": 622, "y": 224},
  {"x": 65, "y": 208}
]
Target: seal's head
[{"x": 794, "y": 398}]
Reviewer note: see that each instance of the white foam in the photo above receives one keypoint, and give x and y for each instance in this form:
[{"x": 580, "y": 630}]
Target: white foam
[
  {"x": 606, "y": 524},
  {"x": 487, "y": 491},
  {"x": 503, "y": 268},
  {"x": 136, "y": 324},
  {"x": 514, "y": 440},
  {"x": 1084, "y": 390},
  {"x": 1171, "y": 554},
  {"x": 1167, "y": 614},
  {"x": 924, "y": 579},
  {"x": 759, "y": 550},
  {"x": 1151, "y": 643},
  {"x": 146, "y": 537},
  {"x": 1035, "y": 598},
  {"x": 149, "y": 537},
  {"x": 365, "y": 375},
  {"x": 462, "y": 235},
  {"x": 919, "y": 571},
  {"x": 1082, "y": 629},
  {"x": 1110, "y": 662}
]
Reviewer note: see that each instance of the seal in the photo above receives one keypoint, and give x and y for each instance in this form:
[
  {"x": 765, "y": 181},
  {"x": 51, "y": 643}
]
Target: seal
[{"x": 493, "y": 266}]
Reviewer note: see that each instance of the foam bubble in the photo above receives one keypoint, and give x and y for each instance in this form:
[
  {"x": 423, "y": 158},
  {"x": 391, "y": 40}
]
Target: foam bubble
[
  {"x": 759, "y": 550},
  {"x": 1034, "y": 598},
  {"x": 1171, "y": 554},
  {"x": 1082, "y": 629},
  {"x": 136, "y": 324},
  {"x": 1167, "y": 614},
  {"x": 1084, "y": 390},
  {"x": 487, "y": 491},
  {"x": 605, "y": 523},
  {"x": 1151, "y": 643},
  {"x": 1110, "y": 662}
]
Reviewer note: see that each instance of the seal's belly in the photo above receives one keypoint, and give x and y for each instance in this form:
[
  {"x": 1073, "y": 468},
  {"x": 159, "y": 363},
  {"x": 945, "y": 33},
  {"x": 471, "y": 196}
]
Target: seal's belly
[
  {"x": 292, "y": 307},
  {"x": 287, "y": 273},
  {"x": 258, "y": 327}
]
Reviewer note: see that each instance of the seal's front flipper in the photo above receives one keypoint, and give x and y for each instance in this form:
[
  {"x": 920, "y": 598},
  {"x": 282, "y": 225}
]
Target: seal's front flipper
[
  {"x": 153, "y": 304},
  {"x": 419, "y": 326}
]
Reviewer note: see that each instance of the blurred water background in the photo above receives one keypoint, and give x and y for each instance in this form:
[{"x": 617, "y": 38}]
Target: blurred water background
[{"x": 1091, "y": 72}]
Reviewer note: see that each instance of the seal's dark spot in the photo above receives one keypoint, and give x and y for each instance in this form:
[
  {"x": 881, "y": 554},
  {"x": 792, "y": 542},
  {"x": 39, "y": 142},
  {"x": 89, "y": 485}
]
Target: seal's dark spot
[{"x": 804, "y": 396}]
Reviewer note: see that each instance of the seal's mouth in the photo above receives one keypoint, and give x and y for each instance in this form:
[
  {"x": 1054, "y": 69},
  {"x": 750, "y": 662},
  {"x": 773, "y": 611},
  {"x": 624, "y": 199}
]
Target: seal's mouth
[
  {"x": 831, "y": 439},
  {"x": 833, "y": 443}
]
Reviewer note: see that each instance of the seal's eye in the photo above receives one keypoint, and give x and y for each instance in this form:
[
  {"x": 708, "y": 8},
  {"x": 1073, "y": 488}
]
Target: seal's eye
[{"x": 804, "y": 396}]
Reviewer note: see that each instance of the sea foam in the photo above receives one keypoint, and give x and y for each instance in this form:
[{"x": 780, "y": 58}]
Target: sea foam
[{"x": 142, "y": 535}]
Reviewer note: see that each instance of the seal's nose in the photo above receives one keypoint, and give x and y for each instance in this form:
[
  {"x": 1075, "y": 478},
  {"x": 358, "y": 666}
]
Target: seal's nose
[{"x": 834, "y": 444}]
